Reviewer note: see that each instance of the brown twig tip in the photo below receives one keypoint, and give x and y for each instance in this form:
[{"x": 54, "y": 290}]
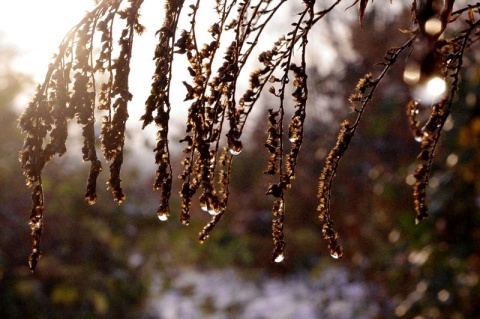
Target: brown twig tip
[
  {"x": 278, "y": 218},
  {"x": 36, "y": 225}
]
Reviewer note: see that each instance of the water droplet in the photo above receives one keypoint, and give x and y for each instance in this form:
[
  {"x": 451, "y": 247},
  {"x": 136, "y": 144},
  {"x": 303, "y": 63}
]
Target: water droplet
[
  {"x": 213, "y": 212},
  {"x": 214, "y": 209},
  {"x": 235, "y": 147},
  {"x": 163, "y": 212},
  {"x": 162, "y": 217},
  {"x": 293, "y": 137},
  {"x": 203, "y": 237},
  {"x": 335, "y": 254},
  {"x": 279, "y": 258},
  {"x": 91, "y": 199},
  {"x": 203, "y": 203}
]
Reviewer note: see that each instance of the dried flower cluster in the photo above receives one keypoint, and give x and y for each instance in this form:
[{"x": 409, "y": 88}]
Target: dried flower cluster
[
  {"x": 90, "y": 76},
  {"x": 449, "y": 59}
]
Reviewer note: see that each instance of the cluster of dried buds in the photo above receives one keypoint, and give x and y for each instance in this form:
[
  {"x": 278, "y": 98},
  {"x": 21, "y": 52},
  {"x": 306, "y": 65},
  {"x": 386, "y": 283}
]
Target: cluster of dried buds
[{"x": 83, "y": 82}]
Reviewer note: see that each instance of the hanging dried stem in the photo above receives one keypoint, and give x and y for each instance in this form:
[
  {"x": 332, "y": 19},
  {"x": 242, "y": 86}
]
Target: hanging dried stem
[
  {"x": 429, "y": 134},
  {"x": 218, "y": 111},
  {"x": 69, "y": 90},
  {"x": 364, "y": 93},
  {"x": 274, "y": 142},
  {"x": 159, "y": 101}
]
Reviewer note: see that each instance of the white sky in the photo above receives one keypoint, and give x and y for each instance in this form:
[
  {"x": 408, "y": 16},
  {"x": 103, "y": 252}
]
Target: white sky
[{"x": 35, "y": 29}]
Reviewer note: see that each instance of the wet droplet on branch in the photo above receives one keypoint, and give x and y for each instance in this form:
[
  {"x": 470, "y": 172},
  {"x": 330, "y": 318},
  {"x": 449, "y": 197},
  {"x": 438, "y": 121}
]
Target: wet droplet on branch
[
  {"x": 203, "y": 203},
  {"x": 163, "y": 212},
  {"x": 91, "y": 199},
  {"x": 279, "y": 258},
  {"x": 214, "y": 209},
  {"x": 336, "y": 252},
  {"x": 162, "y": 217},
  {"x": 293, "y": 136},
  {"x": 236, "y": 148}
]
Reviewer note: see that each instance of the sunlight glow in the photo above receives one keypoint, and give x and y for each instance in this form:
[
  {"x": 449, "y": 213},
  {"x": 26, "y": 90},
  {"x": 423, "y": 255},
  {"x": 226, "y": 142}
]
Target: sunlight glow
[
  {"x": 431, "y": 91},
  {"x": 443, "y": 295},
  {"x": 433, "y": 26},
  {"x": 36, "y": 28},
  {"x": 411, "y": 75},
  {"x": 452, "y": 160},
  {"x": 410, "y": 180},
  {"x": 436, "y": 87},
  {"x": 419, "y": 257},
  {"x": 394, "y": 236}
]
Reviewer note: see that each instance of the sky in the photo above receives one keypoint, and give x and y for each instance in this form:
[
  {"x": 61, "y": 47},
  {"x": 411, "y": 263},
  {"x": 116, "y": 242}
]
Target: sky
[{"x": 35, "y": 29}]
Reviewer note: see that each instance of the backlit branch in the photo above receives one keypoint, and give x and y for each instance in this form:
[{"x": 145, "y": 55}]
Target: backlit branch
[{"x": 89, "y": 79}]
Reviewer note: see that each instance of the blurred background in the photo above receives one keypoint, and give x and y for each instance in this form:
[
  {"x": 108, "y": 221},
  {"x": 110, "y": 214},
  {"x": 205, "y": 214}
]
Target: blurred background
[{"x": 110, "y": 261}]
